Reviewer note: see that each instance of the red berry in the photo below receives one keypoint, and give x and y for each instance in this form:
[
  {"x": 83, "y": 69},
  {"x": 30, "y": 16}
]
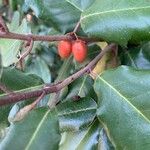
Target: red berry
[
  {"x": 79, "y": 50},
  {"x": 64, "y": 49}
]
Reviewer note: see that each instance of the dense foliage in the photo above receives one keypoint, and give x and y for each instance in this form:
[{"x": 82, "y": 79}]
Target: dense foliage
[{"x": 106, "y": 108}]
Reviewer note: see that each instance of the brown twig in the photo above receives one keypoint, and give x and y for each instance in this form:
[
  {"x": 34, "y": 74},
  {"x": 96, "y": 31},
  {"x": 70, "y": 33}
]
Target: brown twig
[
  {"x": 25, "y": 110},
  {"x": 27, "y": 51},
  {"x": 5, "y": 89},
  {"x": 28, "y": 37},
  {"x": 38, "y": 99},
  {"x": 25, "y": 54},
  {"x": 20, "y": 96},
  {"x": 3, "y": 25}
]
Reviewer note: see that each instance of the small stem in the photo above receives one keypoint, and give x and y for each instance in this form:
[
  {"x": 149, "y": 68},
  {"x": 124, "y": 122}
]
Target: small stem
[
  {"x": 55, "y": 100},
  {"x": 25, "y": 54},
  {"x": 5, "y": 89},
  {"x": 28, "y": 51},
  {"x": 77, "y": 27},
  {"x": 38, "y": 100},
  {"x": 3, "y": 25},
  {"x": 20, "y": 64},
  {"x": 20, "y": 96},
  {"x": 25, "y": 110}
]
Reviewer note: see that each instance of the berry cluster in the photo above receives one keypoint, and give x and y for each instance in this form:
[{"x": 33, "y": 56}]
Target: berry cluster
[{"x": 78, "y": 48}]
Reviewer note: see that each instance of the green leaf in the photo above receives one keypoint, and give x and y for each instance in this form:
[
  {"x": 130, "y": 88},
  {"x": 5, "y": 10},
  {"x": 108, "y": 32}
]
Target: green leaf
[
  {"x": 137, "y": 57},
  {"x": 40, "y": 68},
  {"x": 62, "y": 18},
  {"x": 118, "y": 21},
  {"x": 81, "y": 87},
  {"x": 10, "y": 47},
  {"x": 86, "y": 139},
  {"x": 81, "y": 5},
  {"x": 15, "y": 80},
  {"x": 123, "y": 96},
  {"x": 75, "y": 115},
  {"x": 41, "y": 126},
  {"x": 14, "y": 4},
  {"x": 104, "y": 143},
  {"x": 3, "y": 121},
  {"x": 64, "y": 71},
  {"x": 39, "y": 130}
]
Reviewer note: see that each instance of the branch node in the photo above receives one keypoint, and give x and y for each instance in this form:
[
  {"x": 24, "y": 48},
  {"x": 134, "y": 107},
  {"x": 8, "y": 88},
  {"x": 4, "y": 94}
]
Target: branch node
[{"x": 3, "y": 26}]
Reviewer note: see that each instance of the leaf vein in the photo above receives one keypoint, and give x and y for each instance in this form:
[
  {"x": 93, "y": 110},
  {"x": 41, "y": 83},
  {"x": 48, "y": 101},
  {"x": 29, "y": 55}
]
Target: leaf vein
[
  {"x": 77, "y": 111},
  {"x": 37, "y": 129},
  {"x": 123, "y": 97},
  {"x": 82, "y": 85},
  {"x": 113, "y": 11}
]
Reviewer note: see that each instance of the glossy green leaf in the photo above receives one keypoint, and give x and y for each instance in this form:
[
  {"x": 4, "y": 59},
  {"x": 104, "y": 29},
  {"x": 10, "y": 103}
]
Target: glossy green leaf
[
  {"x": 40, "y": 68},
  {"x": 137, "y": 57},
  {"x": 65, "y": 69},
  {"x": 62, "y": 15},
  {"x": 48, "y": 54},
  {"x": 93, "y": 51},
  {"x": 40, "y": 125},
  {"x": 3, "y": 121},
  {"x": 81, "y": 4},
  {"x": 39, "y": 130},
  {"x": 104, "y": 142},
  {"x": 124, "y": 105},
  {"x": 118, "y": 21},
  {"x": 75, "y": 115},
  {"x": 80, "y": 87},
  {"x": 82, "y": 140},
  {"x": 10, "y": 48},
  {"x": 15, "y": 80}
]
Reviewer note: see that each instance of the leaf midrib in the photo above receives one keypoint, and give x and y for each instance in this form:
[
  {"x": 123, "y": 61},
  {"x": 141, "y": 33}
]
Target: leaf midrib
[
  {"x": 131, "y": 59},
  {"x": 37, "y": 129},
  {"x": 82, "y": 85},
  {"x": 125, "y": 98},
  {"x": 77, "y": 111},
  {"x": 85, "y": 135},
  {"x": 74, "y": 6},
  {"x": 113, "y": 11}
]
